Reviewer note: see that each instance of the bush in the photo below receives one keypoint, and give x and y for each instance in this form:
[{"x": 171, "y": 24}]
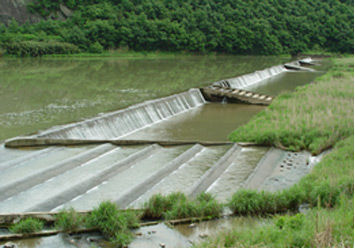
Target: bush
[
  {"x": 96, "y": 48},
  {"x": 29, "y": 225}
]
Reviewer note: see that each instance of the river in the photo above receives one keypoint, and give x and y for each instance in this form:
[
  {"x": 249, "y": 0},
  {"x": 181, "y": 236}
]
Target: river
[{"x": 38, "y": 93}]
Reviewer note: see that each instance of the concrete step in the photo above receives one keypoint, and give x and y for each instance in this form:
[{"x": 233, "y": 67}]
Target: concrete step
[
  {"x": 237, "y": 172},
  {"x": 38, "y": 171},
  {"x": 66, "y": 186},
  {"x": 184, "y": 177},
  {"x": 125, "y": 187},
  {"x": 15, "y": 157}
]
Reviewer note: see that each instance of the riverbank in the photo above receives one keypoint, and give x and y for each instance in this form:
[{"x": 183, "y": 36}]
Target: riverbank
[
  {"x": 313, "y": 118},
  {"x": 328, "y": 190},
  {"x": 126, "y": 53}
]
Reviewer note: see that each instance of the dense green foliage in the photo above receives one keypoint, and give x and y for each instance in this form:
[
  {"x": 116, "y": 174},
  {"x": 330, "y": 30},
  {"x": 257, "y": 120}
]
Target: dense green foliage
[
  {"x": 312, "y": 118},
  {"x": 237, "y": 27},
  {"x": 36, "y": 48},
  {"x": 28, "y": 225}
]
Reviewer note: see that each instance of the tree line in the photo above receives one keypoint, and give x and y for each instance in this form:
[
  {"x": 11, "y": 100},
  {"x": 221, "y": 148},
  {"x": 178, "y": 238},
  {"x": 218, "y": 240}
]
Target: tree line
[{"x": 222, "y": 26}]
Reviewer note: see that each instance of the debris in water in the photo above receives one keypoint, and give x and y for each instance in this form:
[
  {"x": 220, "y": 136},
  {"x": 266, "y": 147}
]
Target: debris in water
[
  {"x": 10, "y": 245},
  {"x": 203, "y": 235}
]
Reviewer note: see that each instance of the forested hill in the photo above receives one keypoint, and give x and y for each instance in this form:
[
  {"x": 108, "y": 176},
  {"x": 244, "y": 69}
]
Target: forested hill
[{"x": 224, "y": 26}]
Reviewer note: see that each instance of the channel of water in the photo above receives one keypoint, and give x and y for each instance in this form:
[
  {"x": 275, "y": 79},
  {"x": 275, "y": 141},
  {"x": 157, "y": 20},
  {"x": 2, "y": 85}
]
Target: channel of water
[{"x": 209, "y": 121}]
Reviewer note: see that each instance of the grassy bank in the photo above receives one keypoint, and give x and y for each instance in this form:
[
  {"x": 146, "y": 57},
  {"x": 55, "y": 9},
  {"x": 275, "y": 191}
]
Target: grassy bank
[
  {"x": 314, "y": 117},
  {"x": 328, "y": 191}
]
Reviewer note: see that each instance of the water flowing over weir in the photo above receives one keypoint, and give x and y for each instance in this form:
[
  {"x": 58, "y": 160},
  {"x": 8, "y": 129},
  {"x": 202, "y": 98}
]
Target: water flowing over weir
[
  {"x": 126, "y": 121},
  {"x": 245, "y": 81}
]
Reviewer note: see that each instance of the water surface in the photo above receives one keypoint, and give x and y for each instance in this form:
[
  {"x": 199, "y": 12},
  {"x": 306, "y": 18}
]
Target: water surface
[{"x": 38, "y": 93}]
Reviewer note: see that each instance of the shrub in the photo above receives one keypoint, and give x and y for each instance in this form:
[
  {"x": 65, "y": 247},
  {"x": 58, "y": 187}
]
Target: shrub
[
  {"x": 28, "y": 225},
  {"x": 96, "y": 48}
]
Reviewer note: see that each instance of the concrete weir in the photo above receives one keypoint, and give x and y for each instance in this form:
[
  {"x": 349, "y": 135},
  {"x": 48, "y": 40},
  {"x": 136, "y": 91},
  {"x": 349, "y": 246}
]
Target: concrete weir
[
  {"x": 230, "y": 95},
  {"x": 82, "y": 164},
  {"x": 82, "y": 177}
]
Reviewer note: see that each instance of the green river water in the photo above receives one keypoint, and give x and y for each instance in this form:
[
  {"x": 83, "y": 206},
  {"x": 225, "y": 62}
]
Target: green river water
[{"x": 36, "y": 94}]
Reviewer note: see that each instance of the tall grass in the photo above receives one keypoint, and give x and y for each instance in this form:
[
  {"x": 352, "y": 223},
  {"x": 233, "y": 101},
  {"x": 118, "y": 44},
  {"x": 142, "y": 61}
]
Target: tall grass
[
  {"x": 319, "y": 227},
  {"x": 69, "y": 220},
  {"x": 314, "y": 117},
  {"x": 113, "y": 223},
  {"x": 28, "y": 225},
  {"x": 178, "y": 206}
]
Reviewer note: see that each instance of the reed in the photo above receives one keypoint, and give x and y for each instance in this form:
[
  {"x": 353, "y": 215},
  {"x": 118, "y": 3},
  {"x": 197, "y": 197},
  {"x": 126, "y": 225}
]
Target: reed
[
  {"x": 178, "y": 206},
  {"x": 113, "y": 223},
  {"x": 69, "y": 220},
  {"x": 28, "y": 225}
]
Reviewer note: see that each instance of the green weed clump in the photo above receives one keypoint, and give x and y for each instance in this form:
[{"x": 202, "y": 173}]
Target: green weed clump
[
  {"x": 157, "y": 205},
  {"x": 178, "y": 206},
  {"x": 113, "y": 223},
  {"x": 252, "y": 202},
  {"x": 28, "y": 225},
  {"x": 69, "y": 220},
  {"x": 313, "y": 118}
]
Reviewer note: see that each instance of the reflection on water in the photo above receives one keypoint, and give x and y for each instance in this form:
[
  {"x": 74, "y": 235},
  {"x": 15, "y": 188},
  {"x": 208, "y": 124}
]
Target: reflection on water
[
  {"x": 198, "y": 232},
  {"x": 39, "y": 93}
]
